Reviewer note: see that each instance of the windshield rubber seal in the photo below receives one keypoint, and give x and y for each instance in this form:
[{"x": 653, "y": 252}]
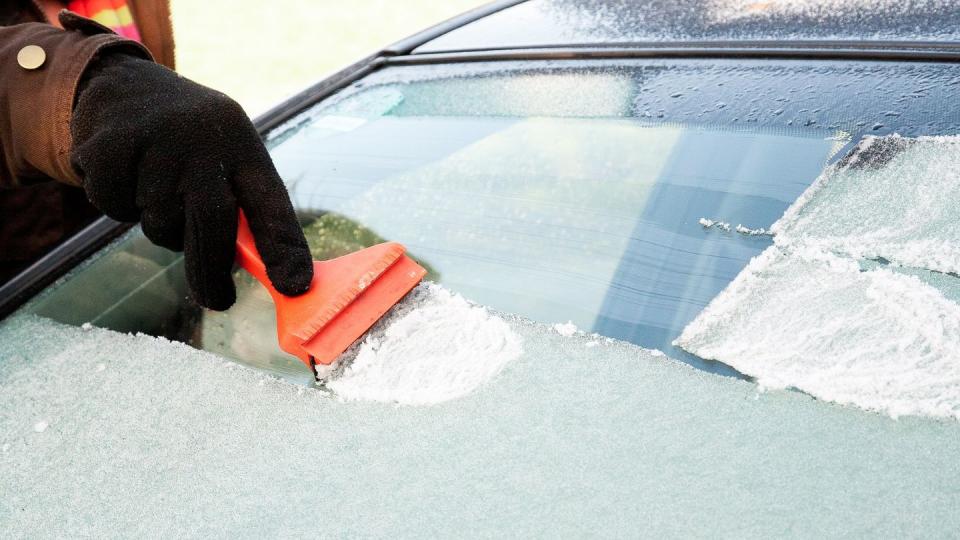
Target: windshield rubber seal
[
  {"x": 858, "y": 51},
  {"x": 774, "y": 44}
]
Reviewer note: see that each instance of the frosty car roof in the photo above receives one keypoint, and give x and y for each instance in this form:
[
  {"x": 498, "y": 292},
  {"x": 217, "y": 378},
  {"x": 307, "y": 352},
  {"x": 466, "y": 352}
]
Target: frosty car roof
[
  {"x": 578, "y": 23},
  {"x": 898, "y": 30},
  {"x": 564, "y": 29}
]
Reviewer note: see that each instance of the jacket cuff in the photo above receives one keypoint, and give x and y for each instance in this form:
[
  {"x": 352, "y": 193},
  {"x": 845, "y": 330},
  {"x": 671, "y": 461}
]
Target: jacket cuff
[{"x": 40, "y": 100}]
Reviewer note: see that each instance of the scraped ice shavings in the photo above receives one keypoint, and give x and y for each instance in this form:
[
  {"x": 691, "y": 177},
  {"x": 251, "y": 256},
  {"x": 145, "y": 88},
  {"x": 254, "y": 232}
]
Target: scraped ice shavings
[
  {"x": 814, "y": 321},
  {"x": 726, "y": 227},
  {"x": 712, "y": 223},
  {"x": 805, "y": 314},
  {"x": 433, "y": 346},
  {"x": 751, "y": 232},
  {"x": 566, "y": 329}
]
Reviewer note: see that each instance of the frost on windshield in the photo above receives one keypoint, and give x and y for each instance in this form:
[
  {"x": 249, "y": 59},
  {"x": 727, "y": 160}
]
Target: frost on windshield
[
  {"x": 432, "y": 347},
  {"x": 856, "y": 300},
  {"x": 103, "y": 432},
  {"x": 808, "y": 319},
  {"x": 893, "y": 198}
]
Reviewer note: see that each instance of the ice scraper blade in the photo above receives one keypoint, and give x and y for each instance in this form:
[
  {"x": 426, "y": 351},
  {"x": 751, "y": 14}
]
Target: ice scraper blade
[{"x": 346, "y": 297}]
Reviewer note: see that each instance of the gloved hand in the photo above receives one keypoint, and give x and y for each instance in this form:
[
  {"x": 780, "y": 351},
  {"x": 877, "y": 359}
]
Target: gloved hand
[{"x": 154, "y": 147}]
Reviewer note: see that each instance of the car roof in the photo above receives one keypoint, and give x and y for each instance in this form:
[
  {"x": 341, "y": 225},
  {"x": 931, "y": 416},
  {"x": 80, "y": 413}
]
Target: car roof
[{"x": 570, "y": 23}]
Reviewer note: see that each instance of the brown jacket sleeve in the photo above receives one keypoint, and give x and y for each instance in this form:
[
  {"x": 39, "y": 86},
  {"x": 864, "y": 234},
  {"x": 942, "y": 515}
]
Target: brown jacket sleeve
[
  {"x": 36, "y": 104},
  {"x": 152, "y": 18}
]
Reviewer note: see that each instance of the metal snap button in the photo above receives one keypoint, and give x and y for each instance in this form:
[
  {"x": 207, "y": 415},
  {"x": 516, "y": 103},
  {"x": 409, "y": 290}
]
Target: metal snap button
[{"x": 31, "y": 57}]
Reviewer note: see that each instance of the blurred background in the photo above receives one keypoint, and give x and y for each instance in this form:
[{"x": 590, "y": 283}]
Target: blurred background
[{"x": 261, "y": 56}]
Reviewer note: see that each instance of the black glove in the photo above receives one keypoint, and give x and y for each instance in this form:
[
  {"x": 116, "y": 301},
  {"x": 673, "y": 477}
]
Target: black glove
[{"x": 154, "y": 147}]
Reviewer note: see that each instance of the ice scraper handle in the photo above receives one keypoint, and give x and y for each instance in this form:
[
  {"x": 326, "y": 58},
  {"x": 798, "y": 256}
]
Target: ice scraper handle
[
  {"x": 247, "y": 255},
  {"x": 346, "y": 296}
]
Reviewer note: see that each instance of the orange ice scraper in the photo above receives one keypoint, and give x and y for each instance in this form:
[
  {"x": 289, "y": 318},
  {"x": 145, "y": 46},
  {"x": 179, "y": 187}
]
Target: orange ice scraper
[{"x": 347, "y": 296}]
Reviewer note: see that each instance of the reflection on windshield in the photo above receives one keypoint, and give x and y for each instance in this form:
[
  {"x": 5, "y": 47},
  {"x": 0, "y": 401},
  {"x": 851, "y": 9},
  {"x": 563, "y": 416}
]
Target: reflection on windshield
[{"x": 596, "y": 221}]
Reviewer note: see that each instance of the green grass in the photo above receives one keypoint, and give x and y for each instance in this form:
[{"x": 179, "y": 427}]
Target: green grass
[{"x": 262, "y": 52}]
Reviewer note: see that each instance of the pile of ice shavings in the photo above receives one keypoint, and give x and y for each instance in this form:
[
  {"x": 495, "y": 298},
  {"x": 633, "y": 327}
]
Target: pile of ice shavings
[
  {"x": 751, "y": 232},
  {"x": 810, "y": 313},
  {"x": 709, "y": 223},
  {"x": 724, "y": 226},
  {"x": 433, "y": 346},
  {"x": 566, "y": 329},
  {"x": 811, "y": 320}
]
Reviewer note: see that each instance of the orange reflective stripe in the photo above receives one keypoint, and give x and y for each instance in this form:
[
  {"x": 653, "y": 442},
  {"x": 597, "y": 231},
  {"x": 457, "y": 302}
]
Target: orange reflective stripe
[{"x": 114, "y": 14}]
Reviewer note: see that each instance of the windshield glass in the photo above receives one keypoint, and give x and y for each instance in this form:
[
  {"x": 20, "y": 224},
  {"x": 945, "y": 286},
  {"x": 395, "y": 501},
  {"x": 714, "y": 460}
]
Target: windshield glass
[{"x": 616, "y": 198}]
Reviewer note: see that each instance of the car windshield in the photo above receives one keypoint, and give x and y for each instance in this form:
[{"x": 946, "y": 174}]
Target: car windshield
[
  {"x": 616, "y": 219},
  {"x": 618, "y": 197}
]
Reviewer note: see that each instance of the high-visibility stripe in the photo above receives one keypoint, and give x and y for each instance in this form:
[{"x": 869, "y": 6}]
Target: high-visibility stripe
[
  {"x": 128, "y": 31},
  {"x": 114, "y": 14},
  {"x": 113, "y": 18},
  {"x": 93, "y": 6}
]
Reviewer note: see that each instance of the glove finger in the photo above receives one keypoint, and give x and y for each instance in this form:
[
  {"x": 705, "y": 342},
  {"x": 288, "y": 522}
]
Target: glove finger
[
  {"x": 276, "y": 231},
  {"x": 108, "y": 180},
  {"x": 164, "y": 225},
  {"x": 162, "y": 218},
  {"x": 210, "y": 242}
]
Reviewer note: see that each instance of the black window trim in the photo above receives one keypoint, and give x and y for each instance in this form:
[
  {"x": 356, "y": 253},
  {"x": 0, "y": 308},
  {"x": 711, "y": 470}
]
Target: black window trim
[
  {"x": 809, "y": 50},
  {"x": 66, "y": 256},
  {"x": 865, "y": 44}
]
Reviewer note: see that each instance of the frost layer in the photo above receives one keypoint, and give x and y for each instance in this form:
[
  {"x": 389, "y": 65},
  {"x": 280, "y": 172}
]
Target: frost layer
[
  {"x": 434, "y": 346},
  {"x": 805, "y": 314},
  {"x": 566, "y": 329},
  {"x": 814, "y": 321},
  {"x": 897, "y": 199},
  {"x": 568, "y": 442},
  {"x": 727, "y": 11}
]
